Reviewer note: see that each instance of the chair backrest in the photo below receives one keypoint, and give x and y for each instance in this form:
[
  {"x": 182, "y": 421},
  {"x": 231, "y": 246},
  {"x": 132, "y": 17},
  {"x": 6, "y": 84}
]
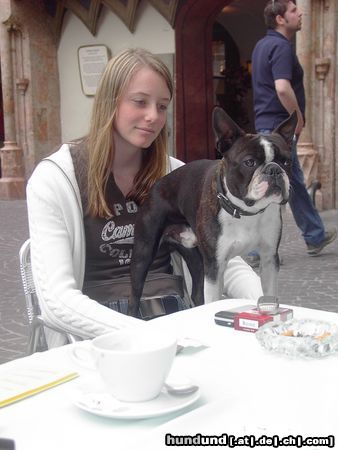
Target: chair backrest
[
  {"x": 37, "y": 339},
  {"x": 32, "y": 304}
]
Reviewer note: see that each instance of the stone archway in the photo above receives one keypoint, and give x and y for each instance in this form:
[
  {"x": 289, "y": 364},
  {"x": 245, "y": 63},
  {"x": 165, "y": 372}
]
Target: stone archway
[{"x": 194, "y": 84}]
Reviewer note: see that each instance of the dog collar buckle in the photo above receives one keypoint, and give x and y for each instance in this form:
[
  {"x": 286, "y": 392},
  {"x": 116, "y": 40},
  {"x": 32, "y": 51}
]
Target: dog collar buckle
[{"x": 228, "y": 206}]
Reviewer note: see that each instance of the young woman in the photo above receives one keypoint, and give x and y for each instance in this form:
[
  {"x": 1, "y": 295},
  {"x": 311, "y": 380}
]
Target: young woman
[{"x": 83, "y": 199}]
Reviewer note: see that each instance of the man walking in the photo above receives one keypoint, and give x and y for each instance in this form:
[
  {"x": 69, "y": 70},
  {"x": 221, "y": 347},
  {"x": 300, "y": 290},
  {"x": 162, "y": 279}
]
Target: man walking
[{"x": 278, "y": 90}]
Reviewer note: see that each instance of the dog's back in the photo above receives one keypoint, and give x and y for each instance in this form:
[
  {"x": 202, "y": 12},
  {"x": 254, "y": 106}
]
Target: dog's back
[{"x": 178, "y": 194}]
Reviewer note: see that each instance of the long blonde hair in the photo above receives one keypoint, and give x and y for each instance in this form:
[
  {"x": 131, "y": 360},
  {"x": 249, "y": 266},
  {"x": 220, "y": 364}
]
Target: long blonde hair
[{"x": 100, "y": 142}]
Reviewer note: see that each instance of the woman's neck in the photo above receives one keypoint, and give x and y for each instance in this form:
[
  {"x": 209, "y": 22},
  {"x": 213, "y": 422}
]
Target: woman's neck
[{"x": 127, "y": 163}]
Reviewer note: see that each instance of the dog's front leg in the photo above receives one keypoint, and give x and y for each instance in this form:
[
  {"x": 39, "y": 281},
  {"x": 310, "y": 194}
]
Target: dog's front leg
[
  {"x": 212, "y": 291},
  {"x": 268, "y": 250},
  {"x": 213, "y": 261},
  {"x": 194, "y": 263},
  {"x": 182, "y": 239},
  {"x": 148, "y": 230},
  {"x": 214, "y": 279},
  {"x": 269, "y": 268}
]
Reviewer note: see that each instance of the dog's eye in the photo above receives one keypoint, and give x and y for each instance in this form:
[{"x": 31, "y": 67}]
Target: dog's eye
[
  {"x": 286, "y": 163},
  {"x": 250, "y": 162}
]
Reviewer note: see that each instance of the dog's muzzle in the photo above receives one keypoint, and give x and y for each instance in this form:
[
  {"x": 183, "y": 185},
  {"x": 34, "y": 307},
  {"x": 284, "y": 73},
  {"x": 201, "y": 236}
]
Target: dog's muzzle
[
  {"x": 273, "y": 170},
  {"x": 275, "y": 175}
]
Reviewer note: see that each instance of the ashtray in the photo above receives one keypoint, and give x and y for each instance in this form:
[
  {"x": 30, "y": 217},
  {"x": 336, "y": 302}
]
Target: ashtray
[{"x": 300, "y": 337}]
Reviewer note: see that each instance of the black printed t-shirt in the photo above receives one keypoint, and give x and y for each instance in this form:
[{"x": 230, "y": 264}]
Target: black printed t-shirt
[{"x": 109, "y": 242}]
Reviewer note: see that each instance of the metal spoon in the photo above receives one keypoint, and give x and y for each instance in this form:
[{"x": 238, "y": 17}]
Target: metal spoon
[{"x": 182, "y": 388}]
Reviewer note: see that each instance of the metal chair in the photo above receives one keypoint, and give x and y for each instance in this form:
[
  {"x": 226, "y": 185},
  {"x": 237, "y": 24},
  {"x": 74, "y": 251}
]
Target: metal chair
[
  {"x": 314, "y": 186},
  {"x": 37, "y": 338}
]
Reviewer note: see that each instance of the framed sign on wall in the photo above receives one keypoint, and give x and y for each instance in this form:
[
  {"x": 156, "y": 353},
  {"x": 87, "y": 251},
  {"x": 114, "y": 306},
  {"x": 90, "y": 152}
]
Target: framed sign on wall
[{"x": 92, "y": 62}]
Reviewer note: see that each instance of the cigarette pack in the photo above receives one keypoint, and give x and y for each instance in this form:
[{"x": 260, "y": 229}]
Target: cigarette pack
[
  {"x": 226, "y": 317},
  {"x": 252, "y": 319}
]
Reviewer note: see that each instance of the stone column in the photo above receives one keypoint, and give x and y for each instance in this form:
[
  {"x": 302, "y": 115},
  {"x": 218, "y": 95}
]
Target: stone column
[
  {"x": 307, "y": 154},
  {"x": 12, "y": 181}
]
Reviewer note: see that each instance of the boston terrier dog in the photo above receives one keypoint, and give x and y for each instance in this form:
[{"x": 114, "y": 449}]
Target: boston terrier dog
[{"x": 213, "y": 210}]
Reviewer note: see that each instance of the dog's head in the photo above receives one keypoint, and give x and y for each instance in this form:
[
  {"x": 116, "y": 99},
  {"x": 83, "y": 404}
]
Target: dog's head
[{"x": 257, "y": 167}]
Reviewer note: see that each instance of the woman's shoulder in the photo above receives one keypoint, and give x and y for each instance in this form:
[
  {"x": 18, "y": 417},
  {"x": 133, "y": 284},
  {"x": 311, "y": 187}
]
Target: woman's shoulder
[{"x": 51, "y": 164}]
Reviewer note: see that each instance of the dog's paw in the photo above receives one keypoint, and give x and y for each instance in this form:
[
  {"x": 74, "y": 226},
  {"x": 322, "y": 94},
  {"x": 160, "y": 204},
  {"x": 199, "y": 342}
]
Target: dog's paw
[{"x": 132, "y": 310}]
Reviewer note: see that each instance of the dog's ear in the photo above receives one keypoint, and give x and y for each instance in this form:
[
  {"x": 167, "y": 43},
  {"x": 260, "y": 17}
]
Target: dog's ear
[
  {"x": 225, "y": 129},
  {"x": 287, "y": 128}
]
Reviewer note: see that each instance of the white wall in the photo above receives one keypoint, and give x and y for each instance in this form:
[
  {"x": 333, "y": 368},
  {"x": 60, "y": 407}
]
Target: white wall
[{"x": 152, "y": 32}]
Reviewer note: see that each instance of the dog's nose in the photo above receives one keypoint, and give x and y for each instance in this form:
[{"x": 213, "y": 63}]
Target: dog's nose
[{"x": 272, "y": 169}]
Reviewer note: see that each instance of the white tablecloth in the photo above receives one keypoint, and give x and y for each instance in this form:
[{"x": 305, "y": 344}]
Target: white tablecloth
[{"x": 244, "y": 390}]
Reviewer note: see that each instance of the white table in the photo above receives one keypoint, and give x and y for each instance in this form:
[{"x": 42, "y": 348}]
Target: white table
[{"x": 240, "y": 382}]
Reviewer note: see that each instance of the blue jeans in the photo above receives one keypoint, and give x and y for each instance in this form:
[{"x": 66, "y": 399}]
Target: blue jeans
[
  {"x": 170, "y": 303},
  {"x": 305, "y": 214}
]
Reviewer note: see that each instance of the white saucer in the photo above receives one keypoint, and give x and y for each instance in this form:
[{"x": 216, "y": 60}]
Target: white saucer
[{"x": 105, "y": 405}]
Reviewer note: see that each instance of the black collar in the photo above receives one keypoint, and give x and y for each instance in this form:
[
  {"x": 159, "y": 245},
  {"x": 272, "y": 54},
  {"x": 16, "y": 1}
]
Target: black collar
[{"x": 224, "y": 201}]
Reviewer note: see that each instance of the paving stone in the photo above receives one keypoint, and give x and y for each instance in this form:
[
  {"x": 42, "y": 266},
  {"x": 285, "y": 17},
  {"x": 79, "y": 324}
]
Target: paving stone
[{"x": 13, "y": 319}]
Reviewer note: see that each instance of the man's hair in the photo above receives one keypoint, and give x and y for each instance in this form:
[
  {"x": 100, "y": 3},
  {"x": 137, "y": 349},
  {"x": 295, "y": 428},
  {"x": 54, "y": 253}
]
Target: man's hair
[{"x": 273, "y": 9}]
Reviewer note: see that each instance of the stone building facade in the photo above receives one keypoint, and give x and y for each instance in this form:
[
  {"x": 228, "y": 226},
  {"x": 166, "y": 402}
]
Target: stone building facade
[
  {"x": 317, "y": 52},
  {"x": 29, "y": 34}
]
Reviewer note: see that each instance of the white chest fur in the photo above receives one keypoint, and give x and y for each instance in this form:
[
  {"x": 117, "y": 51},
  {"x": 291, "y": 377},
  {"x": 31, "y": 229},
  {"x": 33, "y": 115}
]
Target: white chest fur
[{"x": 240, "y": 236}]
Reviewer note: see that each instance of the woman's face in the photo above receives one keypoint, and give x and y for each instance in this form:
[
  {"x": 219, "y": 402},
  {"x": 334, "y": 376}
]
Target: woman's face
[{"x": 142, "y": 110}]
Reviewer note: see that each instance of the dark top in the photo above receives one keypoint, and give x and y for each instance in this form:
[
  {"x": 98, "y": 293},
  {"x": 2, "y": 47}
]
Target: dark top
[
  {"x": 110, "y": 241},
  {"x": 274, "y": 58},
  {"x": 109, "y": 245}
]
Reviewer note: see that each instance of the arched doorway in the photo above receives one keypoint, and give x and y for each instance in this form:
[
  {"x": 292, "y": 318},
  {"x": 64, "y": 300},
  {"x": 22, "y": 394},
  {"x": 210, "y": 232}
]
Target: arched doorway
[
  {"x": 194, "y": 29},
  {"x": 194, "y": 83},
  {"x": 231, "y": 78}
]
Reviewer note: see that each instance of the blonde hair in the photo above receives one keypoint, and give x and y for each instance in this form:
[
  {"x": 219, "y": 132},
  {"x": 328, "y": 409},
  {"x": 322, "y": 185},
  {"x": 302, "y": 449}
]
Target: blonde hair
[{"x": 100, "y": 142}]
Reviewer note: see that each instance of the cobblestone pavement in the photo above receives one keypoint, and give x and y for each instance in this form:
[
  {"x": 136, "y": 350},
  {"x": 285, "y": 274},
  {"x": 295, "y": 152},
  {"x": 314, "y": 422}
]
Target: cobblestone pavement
[
  {"x": 13, "y": 320},
  {"x": 303, "y": 280}
]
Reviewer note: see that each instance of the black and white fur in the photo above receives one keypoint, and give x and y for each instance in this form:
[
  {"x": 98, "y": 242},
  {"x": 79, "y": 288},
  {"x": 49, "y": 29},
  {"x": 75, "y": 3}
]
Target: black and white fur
[{"x": 211, "y": 211}]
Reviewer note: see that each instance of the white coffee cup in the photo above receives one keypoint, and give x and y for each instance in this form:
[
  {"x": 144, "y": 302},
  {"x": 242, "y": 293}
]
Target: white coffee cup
[{"x": 133, "y": 364}]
